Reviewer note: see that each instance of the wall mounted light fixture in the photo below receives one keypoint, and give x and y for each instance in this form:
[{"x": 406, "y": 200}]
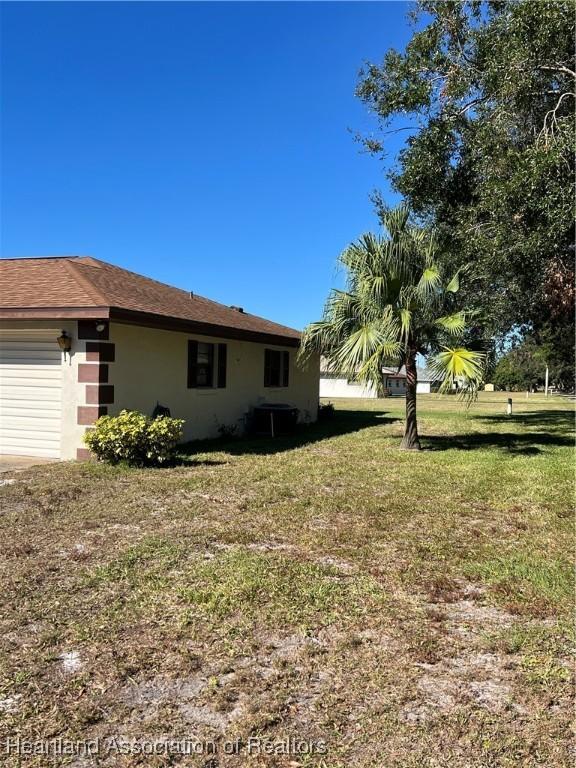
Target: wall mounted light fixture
[{"x": 64, "y": 342}]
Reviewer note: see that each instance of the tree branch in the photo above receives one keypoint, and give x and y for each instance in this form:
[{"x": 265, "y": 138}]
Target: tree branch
[
  {"x": 550, "y": 120},
  {"x": 559, "y": 68}
]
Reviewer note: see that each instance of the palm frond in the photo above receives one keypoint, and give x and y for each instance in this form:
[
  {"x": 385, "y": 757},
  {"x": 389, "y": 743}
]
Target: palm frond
[
  {"x": 405, "y": 316},
  {"x": 318, "y": 337},
  {"x": 429, "y": 282},
  {"x": 460, "y": 366},
  {"x": 359, "y": 346},
  {"x": 340, "y": 304},
  {"x": 395, "y": 220},
  {"x": 408, "y": 297},
  {"x": 371, "y": 370},
  {"x": 454, "y": 284},
  {"x": 454, "y": 324}
]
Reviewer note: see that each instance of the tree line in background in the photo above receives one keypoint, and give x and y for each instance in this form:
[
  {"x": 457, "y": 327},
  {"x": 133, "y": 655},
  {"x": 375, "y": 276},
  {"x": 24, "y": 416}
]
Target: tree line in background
[{"x": 488, "y": 91}]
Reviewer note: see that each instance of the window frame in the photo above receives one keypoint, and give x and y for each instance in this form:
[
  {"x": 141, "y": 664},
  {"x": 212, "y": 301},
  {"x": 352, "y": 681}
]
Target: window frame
[
  {"x": 282, "y": 369},
  {"x": 216, "y": 366}
]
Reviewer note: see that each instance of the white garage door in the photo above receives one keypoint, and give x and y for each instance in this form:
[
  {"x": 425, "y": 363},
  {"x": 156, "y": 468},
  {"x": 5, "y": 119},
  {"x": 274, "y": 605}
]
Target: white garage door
[{"x": 30, "y": 393}]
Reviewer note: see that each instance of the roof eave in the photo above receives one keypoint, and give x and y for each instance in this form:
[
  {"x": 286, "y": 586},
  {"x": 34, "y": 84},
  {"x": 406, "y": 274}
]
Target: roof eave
[
  {"x": 151, "y": 320},
  {"x": 148, "y": 319}
]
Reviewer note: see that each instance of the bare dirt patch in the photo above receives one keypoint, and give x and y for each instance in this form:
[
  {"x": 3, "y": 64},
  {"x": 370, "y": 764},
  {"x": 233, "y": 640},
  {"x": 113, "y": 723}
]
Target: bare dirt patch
[
  {"x": 469, "y": 678},
  {"x": 266, "y": 592},
  {"x": 478, "y": 680}
]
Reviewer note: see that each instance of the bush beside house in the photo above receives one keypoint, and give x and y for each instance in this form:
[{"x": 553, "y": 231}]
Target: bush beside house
[{"x": 134, "y": 438}]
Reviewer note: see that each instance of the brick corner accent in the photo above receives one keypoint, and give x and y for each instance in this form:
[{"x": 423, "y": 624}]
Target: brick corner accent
[
  {"x": 100, "y": 352},
  {"x": 99, "y": 394},
  {"x": 92, "y": 374},
  {"x": 83, "y": 454},
  {"x": 87, "y": 414}
]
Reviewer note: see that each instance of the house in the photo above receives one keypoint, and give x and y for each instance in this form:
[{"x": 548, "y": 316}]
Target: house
[
  {"x": 427, "y": 382},
  {"x": 335, "y": 384},
  {"x": 394, "y": 381},
  {"x": 133, "y": 343}
]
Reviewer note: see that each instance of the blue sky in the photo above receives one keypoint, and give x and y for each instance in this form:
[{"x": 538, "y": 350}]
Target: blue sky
[{"x": 206, "y": 145}]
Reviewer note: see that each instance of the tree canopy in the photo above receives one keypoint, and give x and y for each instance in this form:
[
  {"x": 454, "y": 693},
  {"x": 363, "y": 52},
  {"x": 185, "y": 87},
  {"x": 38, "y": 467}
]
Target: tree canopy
[
  {"x": 522, "y": 368},
  {"x": 488, "y": 91}
]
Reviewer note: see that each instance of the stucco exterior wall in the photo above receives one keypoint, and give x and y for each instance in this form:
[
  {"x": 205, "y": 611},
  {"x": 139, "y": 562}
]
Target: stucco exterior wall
[
  {"x": 151, "y": 366},
  {"x": 339, "y": 387},
  {"x": 334, "y": 386},
  {"x": 73, "y": 394}
]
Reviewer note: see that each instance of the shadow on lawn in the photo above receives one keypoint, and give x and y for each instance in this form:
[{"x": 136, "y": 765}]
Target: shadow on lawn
[
  {"x": 523, "y": 444},
  {"x": 341, "y": 423},
  {"x": 184, "y": 459},
  {"x": 558, "y": 420},
  {"x": 556, "y": 426}
]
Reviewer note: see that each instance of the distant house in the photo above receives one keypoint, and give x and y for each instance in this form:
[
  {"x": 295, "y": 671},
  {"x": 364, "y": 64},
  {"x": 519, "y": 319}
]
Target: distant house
[
  {"x": 427, "y": 382},
  {"x": 80, "y": 338},
  {"x": 334, "y": 384},
  {"x": 394, "y": 381}
]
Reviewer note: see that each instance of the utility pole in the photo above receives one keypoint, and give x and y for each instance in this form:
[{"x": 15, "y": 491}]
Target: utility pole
[{"x": 546, "y": 383}]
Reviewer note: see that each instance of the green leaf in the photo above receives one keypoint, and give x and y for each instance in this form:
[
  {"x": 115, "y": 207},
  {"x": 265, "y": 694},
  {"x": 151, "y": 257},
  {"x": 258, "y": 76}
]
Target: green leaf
[
  {"x": 429, "y": 282},
  {"x": 460, "y": 366},
  {"x": 454, "y": 284},
  {"x": 454, "y": 324},
  {"x": 405, "y": 322}
]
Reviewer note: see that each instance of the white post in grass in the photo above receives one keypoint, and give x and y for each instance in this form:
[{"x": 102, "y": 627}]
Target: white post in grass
[
  {"x": 546, "y": 383},
  {"x": 509, "y": 407}
]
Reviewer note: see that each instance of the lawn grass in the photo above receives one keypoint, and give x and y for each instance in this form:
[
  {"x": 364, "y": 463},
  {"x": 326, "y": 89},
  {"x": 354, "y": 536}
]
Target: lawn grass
[{"x": 403, "y": 609}]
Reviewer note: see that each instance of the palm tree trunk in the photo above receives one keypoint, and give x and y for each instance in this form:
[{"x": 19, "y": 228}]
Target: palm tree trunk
[{"x": 411, "y": 441}]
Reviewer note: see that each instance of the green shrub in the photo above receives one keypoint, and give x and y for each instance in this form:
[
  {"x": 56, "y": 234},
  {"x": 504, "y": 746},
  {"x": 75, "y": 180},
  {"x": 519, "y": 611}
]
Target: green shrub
[
  {"x": 325, "y": 411},
  {"x": 134, "y": 438}
]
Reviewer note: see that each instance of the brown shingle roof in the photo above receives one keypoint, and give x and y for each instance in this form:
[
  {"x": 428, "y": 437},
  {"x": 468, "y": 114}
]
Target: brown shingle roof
[{"x": 80, "y": 286}]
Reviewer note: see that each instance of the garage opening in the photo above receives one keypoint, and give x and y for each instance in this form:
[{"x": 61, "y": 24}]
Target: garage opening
[{"x": 30, "y": 393}]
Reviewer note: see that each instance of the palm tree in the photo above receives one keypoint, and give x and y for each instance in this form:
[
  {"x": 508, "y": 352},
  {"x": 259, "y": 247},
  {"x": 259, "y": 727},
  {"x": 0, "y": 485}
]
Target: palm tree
[{"x": 397, "y": 304}]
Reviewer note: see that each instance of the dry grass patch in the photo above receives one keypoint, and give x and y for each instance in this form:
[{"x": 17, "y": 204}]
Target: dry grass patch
[{"x": 404, "y": 610}]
